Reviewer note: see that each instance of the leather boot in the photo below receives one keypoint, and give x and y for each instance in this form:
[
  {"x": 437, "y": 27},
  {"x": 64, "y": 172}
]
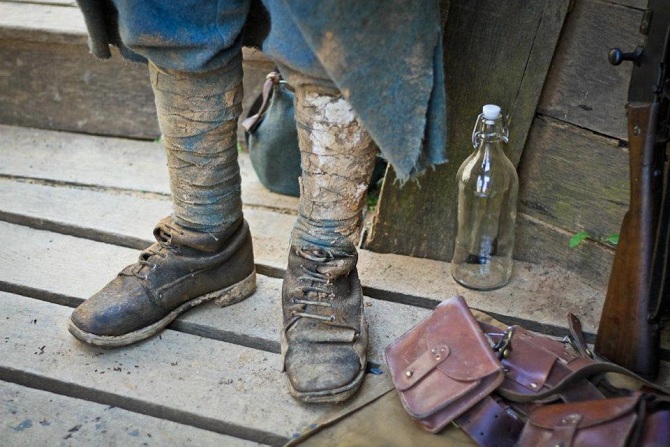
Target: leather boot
[
  {"x": 203, "y": 251},
  {"x": 181, "y": 270},
  {"x": 325, "y": 336}
]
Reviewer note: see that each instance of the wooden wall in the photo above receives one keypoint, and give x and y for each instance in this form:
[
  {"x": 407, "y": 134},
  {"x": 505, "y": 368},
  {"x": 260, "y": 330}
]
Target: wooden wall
[
  {"x": 574, "y": 169},
  {"x": 574, "y": 166}
]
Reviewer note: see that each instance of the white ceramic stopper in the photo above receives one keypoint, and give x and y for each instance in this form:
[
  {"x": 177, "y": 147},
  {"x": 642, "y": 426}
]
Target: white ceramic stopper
[{"x": 491, "y": 112}]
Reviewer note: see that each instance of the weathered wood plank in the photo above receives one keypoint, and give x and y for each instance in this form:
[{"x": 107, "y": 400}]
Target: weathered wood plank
[
  {"x": 639, "y": 4},
  {"x": 543, "y": 244},
  {"x": 120, "y": 218},
  {"x": 50, "y": 81},
  {"x": 112, "y": 216},
  {"x": 63, "y": 265},
  {"x": 179, "y": 377},
  {"x": 68, "y": 3},
  {"x": 536, "y": 296},
  {"x": 108, "y": 162},
  {"x": 42, "y": 23},
  {"x": 34, "y": 260},
  {"x": 83, "y": 159},
  {"x": 495, "y": 52},
  {"x": 62, "y": 87},
  {"x": 530, "y": 297},
  {"x": 582, "y": 88},
  {"x": 33, "y": 417},
  {"x": 567, "y": 178},
  {"x": 135, "y": 215}
]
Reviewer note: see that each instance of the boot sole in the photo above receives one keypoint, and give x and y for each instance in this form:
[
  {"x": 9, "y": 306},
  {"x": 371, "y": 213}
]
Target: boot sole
[
  {"x": 329, "y": 396},
  {"x": 223, "y": 297}
]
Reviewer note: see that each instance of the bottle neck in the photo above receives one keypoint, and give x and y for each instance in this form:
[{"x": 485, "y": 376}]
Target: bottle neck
[{"x": 489, "y": 135}]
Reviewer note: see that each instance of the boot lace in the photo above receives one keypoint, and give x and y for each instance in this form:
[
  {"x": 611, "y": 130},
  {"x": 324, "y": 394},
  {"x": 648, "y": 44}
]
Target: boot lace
[
  {"x": 145, "y": 261},
  {"x": 317, "y": 284}
]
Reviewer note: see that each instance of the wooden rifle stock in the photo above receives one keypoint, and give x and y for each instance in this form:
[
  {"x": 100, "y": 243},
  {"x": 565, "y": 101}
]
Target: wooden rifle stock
[{"x": 628, "y": 335}]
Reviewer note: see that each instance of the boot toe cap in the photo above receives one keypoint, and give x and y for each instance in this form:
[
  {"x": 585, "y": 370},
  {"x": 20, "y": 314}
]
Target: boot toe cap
[
  {"x": 322, "y": 369},
  {"x": 116, "y": 310}
]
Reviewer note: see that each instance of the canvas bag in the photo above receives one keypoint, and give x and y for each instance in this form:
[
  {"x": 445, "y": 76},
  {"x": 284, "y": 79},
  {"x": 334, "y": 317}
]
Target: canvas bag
[{"x": 272, "y": 138}]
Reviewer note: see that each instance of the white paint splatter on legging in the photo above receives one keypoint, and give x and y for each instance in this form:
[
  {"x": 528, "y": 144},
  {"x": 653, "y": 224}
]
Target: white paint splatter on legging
[{"x": 338, "y": 157}]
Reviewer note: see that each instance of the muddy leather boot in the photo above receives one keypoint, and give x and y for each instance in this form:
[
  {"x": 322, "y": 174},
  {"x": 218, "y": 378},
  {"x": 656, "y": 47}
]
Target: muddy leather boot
[
  {"x": 182, "y": 269},
  {"x": 325, "y": 336},
  {"x": 203, "y": 250}
]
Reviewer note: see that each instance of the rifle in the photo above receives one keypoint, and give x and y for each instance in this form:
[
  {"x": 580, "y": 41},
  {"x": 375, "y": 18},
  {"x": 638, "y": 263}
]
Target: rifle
[{"x": 638, "y": 290}]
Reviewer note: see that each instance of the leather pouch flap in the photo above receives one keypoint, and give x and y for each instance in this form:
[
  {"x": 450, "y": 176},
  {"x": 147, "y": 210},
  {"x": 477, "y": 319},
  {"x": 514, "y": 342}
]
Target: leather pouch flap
[
  {"x": 441, "y": 359},
  {"x": 534, "y": 359},
  {"x": 527, "y": 365},
  {"x": 590, "y": 413},
  {"x": 423, "y": 365}
]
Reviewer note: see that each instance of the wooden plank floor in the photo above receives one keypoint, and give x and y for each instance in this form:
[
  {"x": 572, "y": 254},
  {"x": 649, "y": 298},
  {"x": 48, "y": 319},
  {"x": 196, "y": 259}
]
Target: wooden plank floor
[{"x": 74, "y": 209}]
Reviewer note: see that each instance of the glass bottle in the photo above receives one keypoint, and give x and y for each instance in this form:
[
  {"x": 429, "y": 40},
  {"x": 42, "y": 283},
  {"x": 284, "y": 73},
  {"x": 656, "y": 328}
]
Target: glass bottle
[{"x": 488, "y": 186}]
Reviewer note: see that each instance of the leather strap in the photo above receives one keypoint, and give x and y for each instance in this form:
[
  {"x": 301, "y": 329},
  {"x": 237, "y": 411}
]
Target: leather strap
[
  {"x": 423, "y": 365},
  {"x": 570, "y": 380},
  {"x": 566, "y": 375},
  {"x": 535, "y": 362},
  {"x": 578, "y": 336},
  {"x": 251, "y": 123},
  {"x": 491, "y": 423}
]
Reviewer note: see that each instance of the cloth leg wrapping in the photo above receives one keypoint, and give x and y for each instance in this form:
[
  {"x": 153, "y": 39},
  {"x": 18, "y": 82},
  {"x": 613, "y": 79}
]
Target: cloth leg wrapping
[
  {"x": 197, "y": 114},
  {"x": 338, "y": 157}
]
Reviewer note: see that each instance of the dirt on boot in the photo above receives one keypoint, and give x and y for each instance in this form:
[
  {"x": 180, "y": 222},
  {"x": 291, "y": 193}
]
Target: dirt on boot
[
  {"x": 181, "y": 270},
  {"x": 325, "y": 336}
]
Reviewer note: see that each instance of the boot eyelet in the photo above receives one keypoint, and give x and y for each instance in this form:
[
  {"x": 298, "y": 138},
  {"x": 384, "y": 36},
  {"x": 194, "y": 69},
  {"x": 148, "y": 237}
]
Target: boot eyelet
[{"x": 332, "y": 318}]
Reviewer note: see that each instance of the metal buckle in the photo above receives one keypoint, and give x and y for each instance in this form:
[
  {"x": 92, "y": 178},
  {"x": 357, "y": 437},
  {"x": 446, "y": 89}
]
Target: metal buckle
[
  {"x": 504, "y": 345},
  {"x": 569, "y": 340}
]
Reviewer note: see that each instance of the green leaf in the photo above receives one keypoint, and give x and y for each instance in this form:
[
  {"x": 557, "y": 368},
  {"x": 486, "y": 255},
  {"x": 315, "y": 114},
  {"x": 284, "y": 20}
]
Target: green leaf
[
  {"x": 372, "y": 202},
  {"x": 612, "y": 238},
  {"x": 578, "y": 238}
]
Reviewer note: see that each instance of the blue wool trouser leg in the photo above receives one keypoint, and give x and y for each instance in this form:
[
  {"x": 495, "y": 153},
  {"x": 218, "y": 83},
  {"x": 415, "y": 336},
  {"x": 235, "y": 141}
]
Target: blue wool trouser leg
[
  {"x": 184, "y": 35},
  {"x": 195, "y": 61},
  {"x": 197, "y": 41}
]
